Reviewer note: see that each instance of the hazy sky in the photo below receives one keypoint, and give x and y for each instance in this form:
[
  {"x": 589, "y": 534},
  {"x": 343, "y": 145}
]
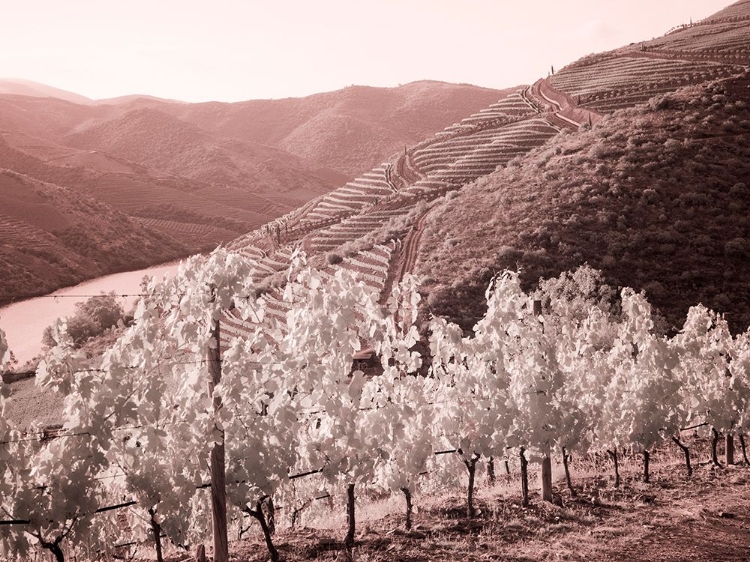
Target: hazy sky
[{"x": 232, "y": 50}]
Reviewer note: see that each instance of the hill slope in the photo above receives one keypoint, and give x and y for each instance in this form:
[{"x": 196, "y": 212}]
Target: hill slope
[
  {"x": 37, "y": 90},
  {"x": 634, "y": 161},
  {"x": 52, "y": 236},
  {"x": 348, "y": 130},
  {"x": 655, "y": 196},
  {"x": 203, "y": 174}
]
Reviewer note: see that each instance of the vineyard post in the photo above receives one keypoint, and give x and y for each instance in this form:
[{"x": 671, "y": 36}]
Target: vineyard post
[
  {"x": 714, "y": 447},
  {"x": 351, "y": 523},
  {"x": 729, "y": 449},
  {"x": 546, "y": 475},
  {"x": 218, "y": 470},
  {"x": 546, "y": 470},
  {"x": 524, "y": 478}
]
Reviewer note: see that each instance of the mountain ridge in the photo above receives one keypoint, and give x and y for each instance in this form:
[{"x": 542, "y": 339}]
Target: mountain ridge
[{"x": 192, "y": 182}]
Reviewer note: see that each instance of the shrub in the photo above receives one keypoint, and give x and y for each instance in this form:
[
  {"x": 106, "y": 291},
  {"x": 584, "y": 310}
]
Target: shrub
[
  {"x": 736, "y": 248},
  {"x": 333, "y": 259},
  {"x": 91, "y": 319}
]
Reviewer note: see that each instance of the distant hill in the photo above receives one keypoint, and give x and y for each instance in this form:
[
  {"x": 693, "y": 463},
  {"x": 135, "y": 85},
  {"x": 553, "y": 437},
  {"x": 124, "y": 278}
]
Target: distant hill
[
  {"x": 35, "y": 89},
  {"x": 52, "y": 236},
  {"x": 199, "y": 175},
  {"x": 167, "y": 145},
  {"x": 347, "y": 130}
]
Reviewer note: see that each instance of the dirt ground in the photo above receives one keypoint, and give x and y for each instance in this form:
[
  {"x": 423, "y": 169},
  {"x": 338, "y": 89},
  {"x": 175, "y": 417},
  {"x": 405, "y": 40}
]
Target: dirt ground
[{"x": 673, "y": 518}]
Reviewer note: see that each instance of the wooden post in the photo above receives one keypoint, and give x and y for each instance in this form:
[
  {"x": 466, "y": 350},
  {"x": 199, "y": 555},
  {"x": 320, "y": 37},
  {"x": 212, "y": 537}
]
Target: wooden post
[
  {"x": 714, "y": 447},
  {"x": 471, "y": 466},
  {"x": 537, "y": 309},
  {"x": 218, "y": 470},
  {"x": 351, "y": 523},
  {"x": 729, "y": 451},
  {"x": 546, "y": 477},
  {"x": 613, "y": 454},
  {"x": 546, "y": 471},
  {"x": 524, "y": 478}
]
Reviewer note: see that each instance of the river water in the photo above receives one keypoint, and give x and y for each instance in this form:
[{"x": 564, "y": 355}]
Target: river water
[{"x": 24, "y": 322}]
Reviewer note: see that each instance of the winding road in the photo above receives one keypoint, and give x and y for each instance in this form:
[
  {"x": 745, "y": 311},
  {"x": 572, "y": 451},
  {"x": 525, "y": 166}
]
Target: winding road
[
  {"x": 565, "y": 112},
  {"x": 407, "y": 256}
]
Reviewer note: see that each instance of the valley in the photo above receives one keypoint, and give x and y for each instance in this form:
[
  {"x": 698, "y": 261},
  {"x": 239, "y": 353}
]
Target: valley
[
  {"x": 442, "y": 322},
  {"x": 183, "y": 178}
]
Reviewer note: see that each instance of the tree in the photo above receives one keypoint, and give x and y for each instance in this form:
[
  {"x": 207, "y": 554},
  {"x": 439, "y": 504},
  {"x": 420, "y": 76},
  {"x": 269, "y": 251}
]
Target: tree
[
  {"x": 55, "y": 500},
  {"x": 578, "y": 319},
  {"x": 647, "y": 406},
  {"x": 92, "y": 318}
]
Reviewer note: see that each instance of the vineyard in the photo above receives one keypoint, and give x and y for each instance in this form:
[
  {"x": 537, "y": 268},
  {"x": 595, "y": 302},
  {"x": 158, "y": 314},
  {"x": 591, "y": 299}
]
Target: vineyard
[
  {"x": 279, "y": 409},
  {"x": 723, "y": 35},
  {"x": 300, "y": 375},
  {"x": 625, "y": 81}
]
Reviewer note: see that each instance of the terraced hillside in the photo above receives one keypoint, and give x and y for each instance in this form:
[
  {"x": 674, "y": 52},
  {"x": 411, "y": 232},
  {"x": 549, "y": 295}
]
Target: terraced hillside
[
  {"x": 192, "y": 176},
  {"x": 52, "y": 236},
  {"x": 635, "y": 161},
  {"x": 347, "y": 130}
]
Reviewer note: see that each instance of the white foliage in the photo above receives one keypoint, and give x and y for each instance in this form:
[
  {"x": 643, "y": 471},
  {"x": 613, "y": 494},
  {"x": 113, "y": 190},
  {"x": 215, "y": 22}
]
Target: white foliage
[{"x": 576, "y": 376}]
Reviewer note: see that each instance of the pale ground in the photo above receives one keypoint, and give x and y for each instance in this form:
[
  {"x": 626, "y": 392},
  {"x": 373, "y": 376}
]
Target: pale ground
[
  {"x": 31, "y": 403},
  {"x": 704, "y": 518}
]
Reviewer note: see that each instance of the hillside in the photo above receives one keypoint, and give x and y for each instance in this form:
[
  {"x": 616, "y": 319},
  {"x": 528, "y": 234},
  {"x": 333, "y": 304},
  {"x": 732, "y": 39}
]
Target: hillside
[
  {"x": 37, "y": 90},
  {"x": 654, "y": 196},
  {"x": 51, "y": 236},
  {"x": 347, "y": 130},
  {"x": 167, "y": 145},
  {"x": 200, "y": 175},
  {"x": 634, "y": 161}
]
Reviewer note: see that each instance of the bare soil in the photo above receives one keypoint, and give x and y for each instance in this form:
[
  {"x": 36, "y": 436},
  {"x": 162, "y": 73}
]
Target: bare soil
[{"x": 673, "y": 518}]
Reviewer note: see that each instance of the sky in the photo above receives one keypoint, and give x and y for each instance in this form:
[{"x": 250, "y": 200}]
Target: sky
[{"x": 232, "y": 50}]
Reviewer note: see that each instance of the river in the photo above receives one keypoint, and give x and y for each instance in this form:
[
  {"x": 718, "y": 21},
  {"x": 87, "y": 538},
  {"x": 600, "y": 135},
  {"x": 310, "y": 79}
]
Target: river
[{"x": 24, "y": 322}]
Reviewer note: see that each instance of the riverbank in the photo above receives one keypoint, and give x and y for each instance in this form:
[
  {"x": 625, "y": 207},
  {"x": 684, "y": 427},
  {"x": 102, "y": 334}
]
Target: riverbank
[{"x": 24, "y": 322}]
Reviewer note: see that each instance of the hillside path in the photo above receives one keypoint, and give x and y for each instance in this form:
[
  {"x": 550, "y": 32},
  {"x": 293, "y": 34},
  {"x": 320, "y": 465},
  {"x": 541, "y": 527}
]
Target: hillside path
[
  {"x": 407, "y": 256},
  {"x": 565, "y": 111}
]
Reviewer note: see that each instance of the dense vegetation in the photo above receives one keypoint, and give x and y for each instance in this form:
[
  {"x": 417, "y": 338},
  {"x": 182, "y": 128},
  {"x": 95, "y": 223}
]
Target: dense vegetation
[
  {"x": 92, "y": 319},
  {"x": 575, "y": 374},
  {"x": 60, "y": 237},
  {"x": 656, "y": 197}
]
